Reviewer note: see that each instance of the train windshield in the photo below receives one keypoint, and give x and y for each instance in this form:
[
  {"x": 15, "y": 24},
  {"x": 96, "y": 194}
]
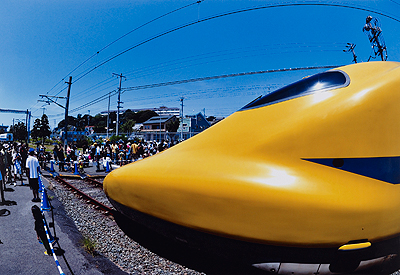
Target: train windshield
[{"x": 319, "y": 82}]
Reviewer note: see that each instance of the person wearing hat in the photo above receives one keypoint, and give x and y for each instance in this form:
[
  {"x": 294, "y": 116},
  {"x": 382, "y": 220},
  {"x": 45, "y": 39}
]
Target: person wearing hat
[
  {"x": 8, "y": 162},
  {"x": 32, "y": 172}
]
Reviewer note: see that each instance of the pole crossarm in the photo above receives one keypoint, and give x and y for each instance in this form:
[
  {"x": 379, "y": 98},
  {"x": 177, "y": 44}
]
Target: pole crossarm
[
  {"x": 49, "y": 99},
  {"x": 28, "y": 118},
  {"x": 13, "y": 111}
]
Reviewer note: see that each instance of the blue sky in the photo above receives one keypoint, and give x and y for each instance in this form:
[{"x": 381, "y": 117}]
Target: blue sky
[{"x": 43, "y": 42}]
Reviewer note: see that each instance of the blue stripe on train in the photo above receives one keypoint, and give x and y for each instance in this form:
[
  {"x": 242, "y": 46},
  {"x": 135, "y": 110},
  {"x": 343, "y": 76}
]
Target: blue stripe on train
[{"x": 381, "y": 168}]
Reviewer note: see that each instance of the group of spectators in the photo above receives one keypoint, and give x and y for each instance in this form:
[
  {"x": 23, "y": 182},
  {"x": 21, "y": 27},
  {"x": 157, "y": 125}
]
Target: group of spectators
[
  {"x": 119, "y": 153},
  {"x": 125, "y": 152},
  {"x": 15, "y": 160},
  {"x": 14, "y": 155}
]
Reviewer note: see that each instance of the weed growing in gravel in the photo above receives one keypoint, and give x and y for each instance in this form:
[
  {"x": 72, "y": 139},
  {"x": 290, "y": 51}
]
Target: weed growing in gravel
[{"x": 89, "y": 245}]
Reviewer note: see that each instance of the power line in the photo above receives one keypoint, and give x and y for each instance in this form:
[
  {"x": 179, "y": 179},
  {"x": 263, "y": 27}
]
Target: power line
[
  {"x": 224, "y": 76},
  {"x": 164, "y": 66},
  {"x": 230, "y": 55},
  {"x": 105, "y": 96},
  {"x": 94, "y": 88},
  {"x": 219, "y": 16},
  {"x": 227, "y": 14},
  {"x": 119, "y": 38}
]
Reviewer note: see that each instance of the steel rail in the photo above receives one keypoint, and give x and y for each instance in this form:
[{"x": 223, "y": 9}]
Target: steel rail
[
  {"x": 88, "y": 199},
  {"x": 93, "y": 181}
]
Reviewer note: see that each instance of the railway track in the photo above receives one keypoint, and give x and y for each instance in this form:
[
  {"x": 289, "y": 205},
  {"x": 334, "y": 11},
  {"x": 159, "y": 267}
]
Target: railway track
[
  {"x": 86, "y": 203},
  {"x": 89, "y": 190}
]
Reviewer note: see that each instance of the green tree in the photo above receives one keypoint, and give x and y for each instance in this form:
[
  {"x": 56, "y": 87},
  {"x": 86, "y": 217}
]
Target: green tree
[
  {"x": 19, "y": 131},
  {"x": 71, "y": 121},
  {"x": 143, "y": 116},
  {"x": 127, "y": 127},
  {"x": 41, "y": 128},
  {"x": 35, "y": 133},
  {"x": 44, "y": 127},
  {"x": 172, "y": 126},
  {"x": 115, "y": 138}
]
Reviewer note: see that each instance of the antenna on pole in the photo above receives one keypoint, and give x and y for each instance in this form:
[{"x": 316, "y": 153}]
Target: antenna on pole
[{"x": 373, "y": 30}]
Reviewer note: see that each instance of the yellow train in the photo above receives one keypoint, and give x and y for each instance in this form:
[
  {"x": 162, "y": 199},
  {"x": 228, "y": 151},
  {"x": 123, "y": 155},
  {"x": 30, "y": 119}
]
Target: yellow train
[{"x": 302, "y": 180}]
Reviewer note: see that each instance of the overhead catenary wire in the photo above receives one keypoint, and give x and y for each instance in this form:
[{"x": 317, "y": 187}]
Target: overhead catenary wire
[
  {"x": 199, "y": 20},
  {"x": 155, "y": 85},
  {"x": 231, "y": 54},
  {"x": 203, "y": 59},
  {"x": 121, "y": 37},
  {"x": 113, "y": 42},
  {"x": 276, "y": 5}
]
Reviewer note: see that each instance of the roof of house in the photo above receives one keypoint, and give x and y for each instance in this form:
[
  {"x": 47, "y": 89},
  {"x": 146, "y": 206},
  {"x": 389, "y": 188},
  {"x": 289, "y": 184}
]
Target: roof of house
[{"x": 157, "y": 119}]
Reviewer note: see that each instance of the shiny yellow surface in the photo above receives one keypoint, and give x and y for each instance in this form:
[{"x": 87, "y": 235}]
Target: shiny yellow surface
[
  {"x": 244, "y": 177},
  {"x": 355, "y": 246}
]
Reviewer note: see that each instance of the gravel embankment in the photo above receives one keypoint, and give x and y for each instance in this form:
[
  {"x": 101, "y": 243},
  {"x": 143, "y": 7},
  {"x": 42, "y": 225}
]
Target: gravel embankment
[{"x": 111, "y": 241}]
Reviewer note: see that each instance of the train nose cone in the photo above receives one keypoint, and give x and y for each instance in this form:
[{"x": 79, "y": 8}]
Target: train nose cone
[
  {"x": 296, "y": 203},
  {"x": 260, "y": 174}
]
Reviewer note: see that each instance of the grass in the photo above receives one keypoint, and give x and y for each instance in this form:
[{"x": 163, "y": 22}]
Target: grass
[{"x": 89, "y": 245}]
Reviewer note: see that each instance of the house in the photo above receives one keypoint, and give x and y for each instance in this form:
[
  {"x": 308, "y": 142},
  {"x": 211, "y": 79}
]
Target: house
[
  {"x": 161, "y": 111},
  {"x": 156, "y": 127},
  {"x": 192, "y": 125}
]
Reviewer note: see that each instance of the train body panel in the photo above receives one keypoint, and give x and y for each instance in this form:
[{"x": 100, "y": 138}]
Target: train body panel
[{"x": 320, "y": 169}]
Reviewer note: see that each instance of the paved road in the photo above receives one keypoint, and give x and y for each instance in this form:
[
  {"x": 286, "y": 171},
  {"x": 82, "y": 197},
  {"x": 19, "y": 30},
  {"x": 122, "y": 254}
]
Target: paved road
[{"x": 21, "y": 253}]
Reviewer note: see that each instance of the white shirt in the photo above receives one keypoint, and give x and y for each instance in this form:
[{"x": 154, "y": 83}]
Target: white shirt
[{"x": 33, "y": 164}]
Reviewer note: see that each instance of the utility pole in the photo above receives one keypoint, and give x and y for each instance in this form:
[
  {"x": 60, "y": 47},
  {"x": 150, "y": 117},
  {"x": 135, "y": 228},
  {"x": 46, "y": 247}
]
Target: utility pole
[
  {"x": 119, "y": 100},
  {"x": 28, "y": 122},
  {"x": 108, "y": 113},
  {"x": 66, "y": 113},
  {"x": 181, "y": 99}
]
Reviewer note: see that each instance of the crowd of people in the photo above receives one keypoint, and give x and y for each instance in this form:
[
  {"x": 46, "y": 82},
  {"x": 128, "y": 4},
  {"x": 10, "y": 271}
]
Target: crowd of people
[
  {"x": 14, "y": 155},
  {"x": 13, "y": 158},
  {"x": 124, "y": 152},
  {"x": 16, "y": 159}
]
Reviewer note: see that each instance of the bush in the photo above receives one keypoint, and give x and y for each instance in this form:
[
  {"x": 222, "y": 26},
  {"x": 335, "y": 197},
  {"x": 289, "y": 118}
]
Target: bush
[{"x": 115, "y": 138}]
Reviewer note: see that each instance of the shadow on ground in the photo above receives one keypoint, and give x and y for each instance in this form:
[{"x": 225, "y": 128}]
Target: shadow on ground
[{"x": 182, "y": 254}]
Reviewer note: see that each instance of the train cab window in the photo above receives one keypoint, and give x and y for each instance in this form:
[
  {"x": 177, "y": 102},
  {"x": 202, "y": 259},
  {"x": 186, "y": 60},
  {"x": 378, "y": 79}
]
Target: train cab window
[{"x": 319, "y": 82}]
